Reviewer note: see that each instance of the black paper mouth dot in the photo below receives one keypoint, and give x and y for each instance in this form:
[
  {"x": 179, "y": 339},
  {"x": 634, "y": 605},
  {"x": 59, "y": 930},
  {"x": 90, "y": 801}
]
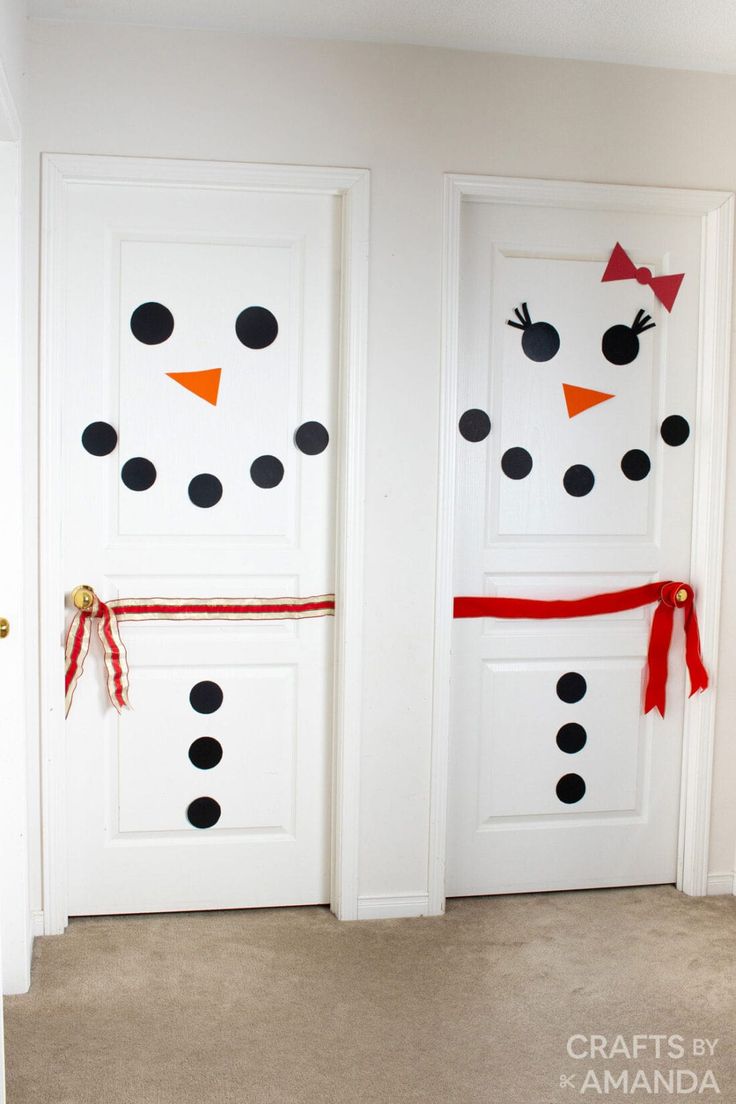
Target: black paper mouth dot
[
  {"x": 571, "y": 738},
  {"x": 516, "y": 463},
  {"x": 203, "y": 812},
  {"x": 570, "y": 789},
  {"x": 571, "y": 687},
  {"x": 635, "y": 464},
  {"x": 267, "y": 471},
  {"x": 311, "y": 438},
  {"x": 578, "y": 480},
  {"x": 205, "y": 697},
  {"x": 138, "y": 474},
  {"x": 152, "y": 323},
  {"x": 99, "y": 438},
  {"x": 474, "y": 425},
  {"x": 675, "y": 430},
  {"x": 205, "y": 490},
  {"x": 256, "y": 327},
  {"x": 205, "y": 753}
]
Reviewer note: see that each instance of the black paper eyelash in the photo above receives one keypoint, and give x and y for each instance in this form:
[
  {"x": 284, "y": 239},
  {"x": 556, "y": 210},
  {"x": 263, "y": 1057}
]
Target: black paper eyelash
[
  {"x": 524, "y": 318},
  {"x": 642, "y": 322}
]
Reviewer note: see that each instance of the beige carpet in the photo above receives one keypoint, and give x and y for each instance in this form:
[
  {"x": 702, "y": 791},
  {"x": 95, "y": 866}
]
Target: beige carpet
[{"x": 290, "y": 1006}]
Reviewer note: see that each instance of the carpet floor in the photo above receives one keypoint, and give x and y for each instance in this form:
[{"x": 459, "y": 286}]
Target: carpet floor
[{"x": 288, "y": 1006}]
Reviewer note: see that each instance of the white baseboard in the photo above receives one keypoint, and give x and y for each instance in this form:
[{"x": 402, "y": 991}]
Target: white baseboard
[
  {"x": 393, "y": 906},
  {"x": 36, "y": 922},
  {"x": 721, "y": 883}
]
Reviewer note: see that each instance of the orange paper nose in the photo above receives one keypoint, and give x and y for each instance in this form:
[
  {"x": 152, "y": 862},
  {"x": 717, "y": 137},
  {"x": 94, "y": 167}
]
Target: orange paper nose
[
  {"x": 206, "y": 384},
  {"x": 579, "y": 399}
]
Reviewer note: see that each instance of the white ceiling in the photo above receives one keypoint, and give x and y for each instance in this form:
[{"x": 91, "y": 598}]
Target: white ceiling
[{"x": 680, "y": 34}]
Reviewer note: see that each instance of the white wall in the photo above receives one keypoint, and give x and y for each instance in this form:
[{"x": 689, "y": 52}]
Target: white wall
[
  {"x": 408, "y": 114},
  {"x": 12, "y": 56}
]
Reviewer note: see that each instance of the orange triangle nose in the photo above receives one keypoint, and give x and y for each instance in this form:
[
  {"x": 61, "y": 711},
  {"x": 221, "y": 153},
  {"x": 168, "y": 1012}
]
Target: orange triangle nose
[
  {"x": 206, "y": 384},
  {"x": 579, "y": 399}
]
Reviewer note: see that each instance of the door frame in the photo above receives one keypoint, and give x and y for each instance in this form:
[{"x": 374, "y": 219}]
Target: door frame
[
  {"x": 352, "y": 186},
  {"x": 716, "y": 211}
]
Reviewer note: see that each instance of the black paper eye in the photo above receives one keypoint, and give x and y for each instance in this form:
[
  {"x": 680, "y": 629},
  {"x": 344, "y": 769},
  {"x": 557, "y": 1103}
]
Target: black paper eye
[
  {"x": 540, "y": 340},
  {"x": 620, "y": 344},
  {"x": 152, "y": 323}
]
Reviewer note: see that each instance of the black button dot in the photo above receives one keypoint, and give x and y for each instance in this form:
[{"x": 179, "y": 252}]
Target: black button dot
[
  {"x": 205, "y": 697},
  {"x": 571, "y": 738},
  {"x": 256, "y": 327},
  {"x": 540, "y": 341},
  {"x": 267, "y": 471},
  {"x": 203, "y": 812},
  {"x": 205, "y": 490},
  {"x": 578, "y": 480},
  {"x": 138, "y": 474},
  {"x": 205, "y": 752},
  {"x": 570, "y": 788},
  {"x": 311, "y": 438},
  {"x": 571, "y": 687},
  {"x": 474, "y": 425},
  {"x": 152, "y": 323},
  {"x": 675, "y": 430},
  {"x": 635, "y": 464},
  {"x": 516, "y": 463},
  {"x": 99, "y": 438}
]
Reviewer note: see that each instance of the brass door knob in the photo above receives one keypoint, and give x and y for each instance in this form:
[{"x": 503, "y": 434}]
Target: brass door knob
[
  {"x": 83, "y": 597},
  {"x": 4, "y": 627}
]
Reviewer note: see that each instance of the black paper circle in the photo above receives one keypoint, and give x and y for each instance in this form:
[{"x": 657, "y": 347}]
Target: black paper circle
[
  {"x": 152, "y": 323},
  {"x": 203, "y": 812},
  {"x": 578, "y": 480},
  {"x": 474, "y": 425},
  {"x": 267, "y": 471},
  {"x": 99, "y": 438},
  {"x": 256, "y": 327},
  {"x": 205, "y": 490},
  {"x": 540, "y": 341},
  {"x": 205, "y": 697},
  {"x": 635, "y": 464},
  {"x": 138, "y": 474},
  {"x": 675, "y": 430},
  {"x": 571, "y": 687},
  {"x": 571, "y": 738},
  {"x": 570, "y": 789},
  {"x": 620, "y": 345},
  {"x": 516, "y": 463},
  {"x": 205, "y": 753},
  {"x": 311, "y": 438}
]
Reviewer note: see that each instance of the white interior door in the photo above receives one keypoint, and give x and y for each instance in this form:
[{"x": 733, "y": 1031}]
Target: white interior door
[
  {"x": 199, "y": 407},
  {"x": 574, "y": 476}
]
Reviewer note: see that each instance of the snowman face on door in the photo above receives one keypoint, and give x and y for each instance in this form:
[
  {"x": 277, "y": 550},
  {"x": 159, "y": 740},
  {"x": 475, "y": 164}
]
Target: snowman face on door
[
  {"x": 208, "y": 391},
  {"x": 575, "y": 375}
]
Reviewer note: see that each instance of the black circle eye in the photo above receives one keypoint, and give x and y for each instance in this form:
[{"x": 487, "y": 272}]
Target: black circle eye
[
  {"x": 540, "y": 341},
  {"x": 620, "y": 345},
  {"x": 152, "y": 323},
  {"x": 256, "y": 327}
]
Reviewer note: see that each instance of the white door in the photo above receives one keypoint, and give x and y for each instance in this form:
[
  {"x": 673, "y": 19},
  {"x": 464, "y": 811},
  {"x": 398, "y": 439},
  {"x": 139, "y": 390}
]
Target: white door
[
  {"x": 575, "y": 416},
  {"x": 199, "y": 407}
]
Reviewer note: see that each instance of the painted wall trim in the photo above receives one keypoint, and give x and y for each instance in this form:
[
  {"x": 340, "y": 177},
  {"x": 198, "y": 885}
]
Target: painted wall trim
[
  {"x": 720, "y": 884},
  {"x": 393, "y": 906},
  {"x": 37, "y": 923},
  {"x": 353, "y": 186},
  {"x": 715, "y": 210}
]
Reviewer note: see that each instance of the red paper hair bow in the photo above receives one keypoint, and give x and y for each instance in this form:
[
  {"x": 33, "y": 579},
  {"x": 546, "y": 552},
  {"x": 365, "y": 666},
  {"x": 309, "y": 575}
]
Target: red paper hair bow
[{"x": 621, "y": 267}]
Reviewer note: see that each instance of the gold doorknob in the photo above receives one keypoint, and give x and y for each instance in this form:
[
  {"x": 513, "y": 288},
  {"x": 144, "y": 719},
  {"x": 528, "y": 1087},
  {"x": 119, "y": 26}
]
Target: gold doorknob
[
  {"x": 4, "y": 627},
  {"x": 681, "y": 595},
  {"x": 83, "y": 597}
]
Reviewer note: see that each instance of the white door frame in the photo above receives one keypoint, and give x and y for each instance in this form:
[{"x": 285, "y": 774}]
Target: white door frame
[
  {"x": 715, "y": 210},
  {"x": 352, "y": 185}
]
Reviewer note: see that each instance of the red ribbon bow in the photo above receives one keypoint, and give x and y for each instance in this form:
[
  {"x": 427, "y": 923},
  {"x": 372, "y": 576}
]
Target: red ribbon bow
[
  {"x": 621, "y": 267},
  {"x": 669, "y": 596}
]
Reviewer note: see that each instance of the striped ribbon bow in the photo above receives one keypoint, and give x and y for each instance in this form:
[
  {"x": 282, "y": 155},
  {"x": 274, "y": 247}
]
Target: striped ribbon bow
[
  {"x": 669, "y": 596},
  {"x": 109, "y": 615}
]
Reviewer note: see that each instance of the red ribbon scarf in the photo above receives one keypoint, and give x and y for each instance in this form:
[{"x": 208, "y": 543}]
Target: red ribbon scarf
[
  {"x": 669, "y": 596},
  {"x": 109, "y": 614}
]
